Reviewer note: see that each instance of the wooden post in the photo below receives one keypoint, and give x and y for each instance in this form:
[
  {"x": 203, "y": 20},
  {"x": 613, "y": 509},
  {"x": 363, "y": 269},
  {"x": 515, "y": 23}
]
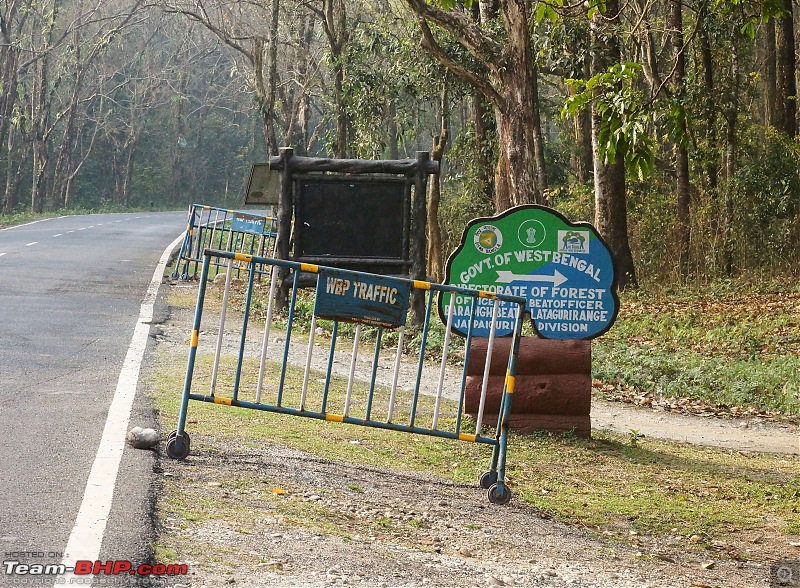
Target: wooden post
[
  {"x": 285, "y": 208},
  {"x": 419, "y": 216}
]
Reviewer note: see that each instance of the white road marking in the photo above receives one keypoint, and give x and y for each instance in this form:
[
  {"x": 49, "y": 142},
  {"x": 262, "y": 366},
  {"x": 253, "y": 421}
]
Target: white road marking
[
  {"x": 2, "y": 254},
  {"x": 31, "y": 243},
  {"x": 82, "y": 229},
  {"x": 57, "y": 235},
  {"x": 87, "y": 535}
]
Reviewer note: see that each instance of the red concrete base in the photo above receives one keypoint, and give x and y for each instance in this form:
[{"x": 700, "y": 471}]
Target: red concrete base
[
  {"x": 553, "y": 385},
  {"x": 564, "y": 394},
  {"x": 552, "y": 423}
]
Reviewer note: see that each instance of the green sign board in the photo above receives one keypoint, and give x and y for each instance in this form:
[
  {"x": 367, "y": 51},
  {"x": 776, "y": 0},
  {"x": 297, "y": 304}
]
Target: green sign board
[{"x": 563, "y": 269}]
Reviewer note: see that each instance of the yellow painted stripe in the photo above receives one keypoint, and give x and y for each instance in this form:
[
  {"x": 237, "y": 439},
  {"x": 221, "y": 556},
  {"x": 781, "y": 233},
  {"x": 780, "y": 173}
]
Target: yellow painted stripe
[
  {"x": 309, "y": 267},
  {"x": 487, "y": 294},
  {"x": 243, "y": 257},
  {"x": 420, "y": 285},
  {"x": 206, "y": 207},
  {"x": 223, "y": 400},
  {"x": 231, "y": 211},
  {"x": 194, "y": 339},
  {"x": 336, "y": 418},
  {"x": 510, "y": 380},
  {"x": 189, "y": 228},
  {"x": 465, "y": 437}
]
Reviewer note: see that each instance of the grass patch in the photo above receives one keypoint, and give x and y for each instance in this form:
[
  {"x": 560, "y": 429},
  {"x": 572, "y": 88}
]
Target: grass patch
[{"x": 732, "y": 348}]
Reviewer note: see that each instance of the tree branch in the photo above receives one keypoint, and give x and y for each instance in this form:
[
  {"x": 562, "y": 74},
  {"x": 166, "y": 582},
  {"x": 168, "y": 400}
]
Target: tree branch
[
  {"x": 480, "y": 83},
  {"x": 485, "y": 49}
]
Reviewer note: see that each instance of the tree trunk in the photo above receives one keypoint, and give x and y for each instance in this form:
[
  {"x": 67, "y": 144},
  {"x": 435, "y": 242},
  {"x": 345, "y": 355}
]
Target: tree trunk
[
  {"x": 435, "y": 253},
  {"x": 520, "y": 177},
  {"x": 710, "y": 110},
  {"x": 682, "y": 191},
  {"x": 272, "y": 77},
  {"x": 335, "y": 24},
  {"x": 611, "y": 216},
  {"x": 786, "y": 89},
  {"x": 770, "y": 75},
  {"x": 581, "y": 158},
  {"x": 731, "y": 114}
]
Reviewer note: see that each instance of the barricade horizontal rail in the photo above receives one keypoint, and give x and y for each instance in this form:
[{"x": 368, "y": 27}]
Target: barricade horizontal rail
[
  {"x": 302, "y": 379},
  {"x": 225, "y": 230}
]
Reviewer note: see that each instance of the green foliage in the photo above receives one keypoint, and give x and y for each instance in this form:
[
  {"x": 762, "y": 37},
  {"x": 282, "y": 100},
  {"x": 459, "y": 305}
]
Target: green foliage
[
  {"x": 625, "y": 116},
  {"x": 464, "y": 194}
]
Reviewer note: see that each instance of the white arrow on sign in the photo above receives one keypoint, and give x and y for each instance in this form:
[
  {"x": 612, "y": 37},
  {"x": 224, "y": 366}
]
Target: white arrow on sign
[{"x": 506, "y": 277}]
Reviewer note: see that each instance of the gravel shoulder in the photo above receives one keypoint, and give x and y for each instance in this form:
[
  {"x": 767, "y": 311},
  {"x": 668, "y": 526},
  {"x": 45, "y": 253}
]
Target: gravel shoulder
[{"x": 262, "y": 515}]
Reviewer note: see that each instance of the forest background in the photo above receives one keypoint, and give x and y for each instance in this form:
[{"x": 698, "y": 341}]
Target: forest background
[{"x": 670, "y": 124}]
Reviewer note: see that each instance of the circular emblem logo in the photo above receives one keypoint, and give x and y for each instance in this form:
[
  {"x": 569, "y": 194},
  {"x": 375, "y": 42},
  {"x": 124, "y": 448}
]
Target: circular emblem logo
[
  {"x": 488, "y": 239},
  {"x": 531, "y": 233}
]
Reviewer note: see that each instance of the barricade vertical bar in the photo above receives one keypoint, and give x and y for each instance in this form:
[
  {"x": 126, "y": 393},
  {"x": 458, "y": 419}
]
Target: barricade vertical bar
[
  {"x": 499, "y": 451},
  {"x": 374, "y": 372},
  {"x": 245, "y": 320},
  {"x": 397, "y": 358},
  {"x": 308, "y": 362},
  {"x": 187, "y": 384},
  {"x": 213, "y": 226},
  {"x": 352, "y": 370},
  {"x": 202, "y": 232},
  {"x": 289, "y": 323},
  {"x": 267, "y": 326},
  {"x": 485, "y": 384},
  {"x": 421, "y": 363},
  {"x": 330, "y": 367},
  {"x": 221, "y": 333},
  {"x": 445, "y": 349},
  {"x": 467, "y": 347}
]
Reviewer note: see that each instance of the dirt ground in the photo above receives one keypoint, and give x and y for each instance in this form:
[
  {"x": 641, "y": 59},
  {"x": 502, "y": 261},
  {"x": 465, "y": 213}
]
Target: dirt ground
[{"x": 292, "y": 519}]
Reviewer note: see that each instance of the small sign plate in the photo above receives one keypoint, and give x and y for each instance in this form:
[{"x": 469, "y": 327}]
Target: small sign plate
[
  {"x": 358, "y": 298},
  {"x": 248, "y": 223}
]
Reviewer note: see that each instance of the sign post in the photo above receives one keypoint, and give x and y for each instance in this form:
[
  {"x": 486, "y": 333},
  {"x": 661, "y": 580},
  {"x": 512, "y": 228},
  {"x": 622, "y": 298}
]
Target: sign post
[{"x": 563, "y": 269}]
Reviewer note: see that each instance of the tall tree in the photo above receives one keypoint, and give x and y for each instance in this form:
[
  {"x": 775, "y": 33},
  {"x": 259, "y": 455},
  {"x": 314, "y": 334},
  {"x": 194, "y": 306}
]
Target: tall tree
[
  {"x": 506, "y": 74},
  {"x": 785, "y": 107},
  {"x": 610, "y": 199},
  {"x": 682, "y": 182}
]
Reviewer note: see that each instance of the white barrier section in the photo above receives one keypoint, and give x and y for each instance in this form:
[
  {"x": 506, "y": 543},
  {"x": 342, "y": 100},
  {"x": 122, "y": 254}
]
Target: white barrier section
[
  {"x": 308, "y": 362},
  {"x": 443, "y": 367},
  {"x": 265, "y": 342},
  {"x": 489, "y": 350},
  {"x": 396, "y": 374},
  {"x": 221, "y": 333},
  {"x": 351, "y": 378}
]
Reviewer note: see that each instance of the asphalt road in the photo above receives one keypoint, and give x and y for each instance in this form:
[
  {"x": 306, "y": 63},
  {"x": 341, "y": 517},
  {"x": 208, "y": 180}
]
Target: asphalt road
[{"x": 70, "y": 295}]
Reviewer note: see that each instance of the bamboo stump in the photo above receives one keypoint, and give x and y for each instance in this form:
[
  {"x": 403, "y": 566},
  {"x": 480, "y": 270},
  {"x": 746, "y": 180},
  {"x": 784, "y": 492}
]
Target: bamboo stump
[{"x": 553, "y": 384}]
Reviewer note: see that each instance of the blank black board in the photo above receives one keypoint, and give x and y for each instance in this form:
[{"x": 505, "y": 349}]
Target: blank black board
[{"x": 359, "y": 223}]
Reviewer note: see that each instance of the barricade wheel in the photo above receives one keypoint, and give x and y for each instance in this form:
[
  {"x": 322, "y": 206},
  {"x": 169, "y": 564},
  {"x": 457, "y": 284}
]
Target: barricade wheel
[
  {"x": 487, "y": 479},
  {"x": 499, "y": 494},
  {"x": 178, "y": 448},
  {"x": 175, "y": 434}
]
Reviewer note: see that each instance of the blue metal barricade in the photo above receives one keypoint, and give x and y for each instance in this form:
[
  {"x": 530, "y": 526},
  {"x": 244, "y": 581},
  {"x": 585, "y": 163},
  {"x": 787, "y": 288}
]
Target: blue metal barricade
[
  {"x": 377, "y": 304},
  {"x": 224, "y": 230}
]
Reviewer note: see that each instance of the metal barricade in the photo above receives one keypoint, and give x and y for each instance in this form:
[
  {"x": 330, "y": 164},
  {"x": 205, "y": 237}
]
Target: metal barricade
[
  {"x": 377, "y": 305},
  {"x": 224, "y": 230}
]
